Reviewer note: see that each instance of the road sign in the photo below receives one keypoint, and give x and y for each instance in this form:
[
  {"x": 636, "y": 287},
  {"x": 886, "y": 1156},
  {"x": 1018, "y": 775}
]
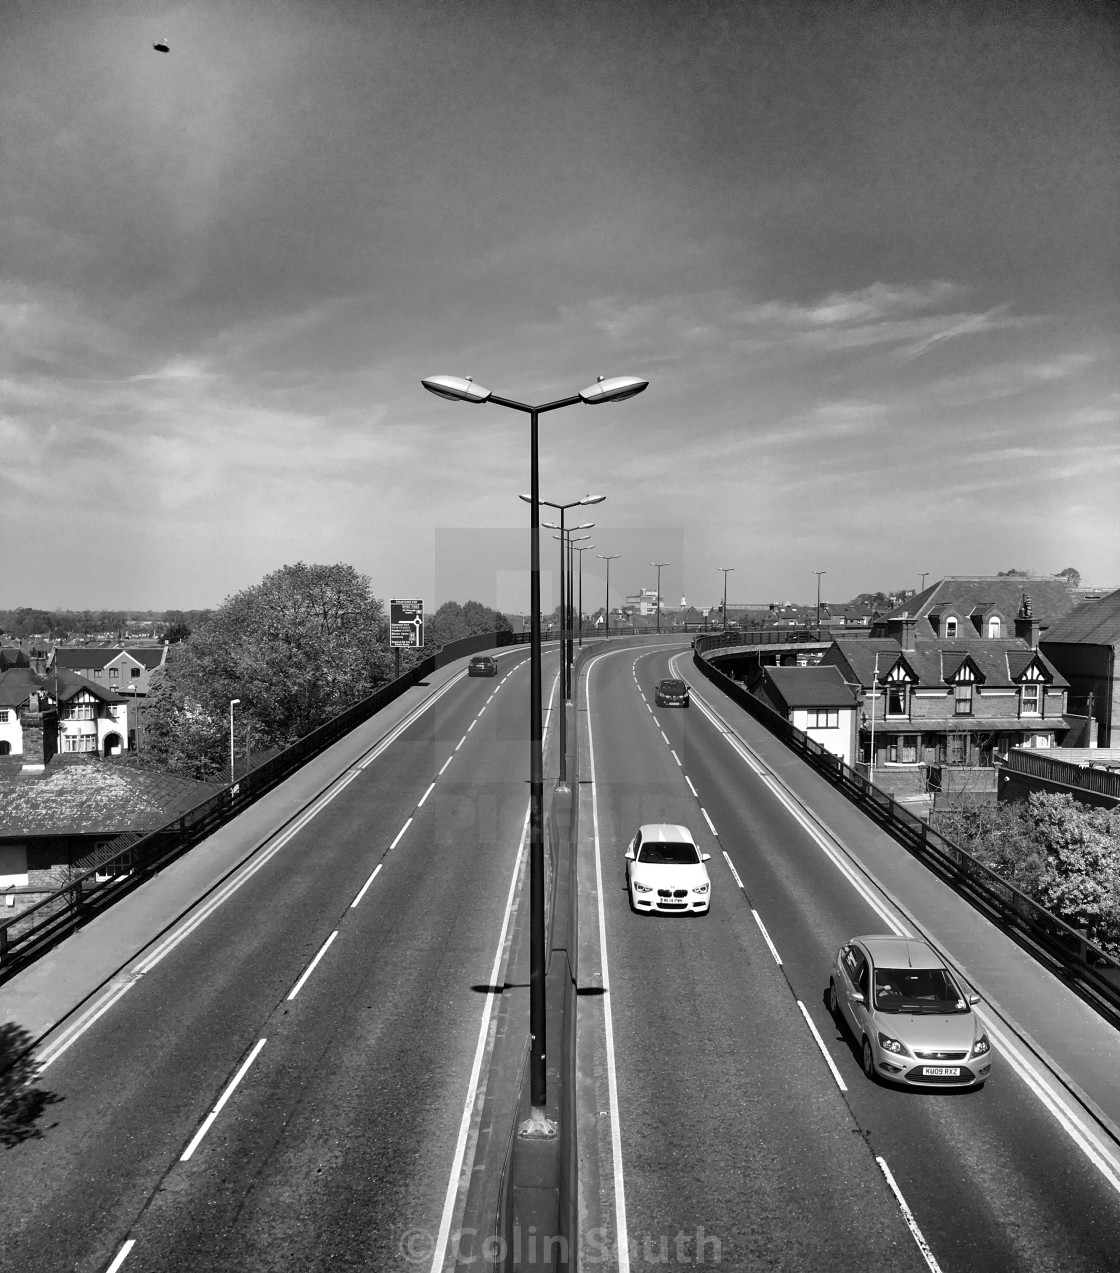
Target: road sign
[{"x": 406, "y": 624}]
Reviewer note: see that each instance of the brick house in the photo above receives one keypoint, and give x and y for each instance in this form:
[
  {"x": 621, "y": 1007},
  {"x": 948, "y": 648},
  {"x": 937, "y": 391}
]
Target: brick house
[
  {"x": 41, "y": 715},
  {"x": 981, "y": 606},
  {"x": 122, "y": 670},
  {"x": 936, "y": 710}
]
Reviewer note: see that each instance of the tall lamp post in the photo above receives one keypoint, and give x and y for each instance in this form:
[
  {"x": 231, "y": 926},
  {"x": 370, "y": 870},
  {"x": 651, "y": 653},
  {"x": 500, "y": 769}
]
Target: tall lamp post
[
  {"x": 457, "y": 389},
  {"x": 726, "y": 571},
  {"x": 232, "y": 704},
  {"x": 585, "y": 549},
  {"x": 607, "y": 604},
  {"x": 818, "y": 573},
  {"x": 658, "y": 564}
]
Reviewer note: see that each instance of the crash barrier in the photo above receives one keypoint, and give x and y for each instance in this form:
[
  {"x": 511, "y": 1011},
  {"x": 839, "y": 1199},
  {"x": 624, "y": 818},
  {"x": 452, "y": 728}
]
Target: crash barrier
[
  {"x": 1067, "y": 952},
  {"x": 129, "y": 859}
]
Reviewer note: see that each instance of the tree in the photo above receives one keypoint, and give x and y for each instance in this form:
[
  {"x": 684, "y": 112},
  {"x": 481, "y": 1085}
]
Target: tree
[
  {"x": 1013, "y": 574},
  {"x": 452, "y": 622},
  {"x": 1072, "y": 575},
  {"x": 296, "y": 649}
]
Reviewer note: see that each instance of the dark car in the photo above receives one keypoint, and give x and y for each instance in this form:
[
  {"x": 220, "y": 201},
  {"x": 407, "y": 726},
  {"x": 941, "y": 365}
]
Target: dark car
[
  {"x": 482, "y": 665},
  {"x": 671, "y": 694}
]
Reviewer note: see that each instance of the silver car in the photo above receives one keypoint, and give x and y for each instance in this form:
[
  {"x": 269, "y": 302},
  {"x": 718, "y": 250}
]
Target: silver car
[{"x": 914, "y": 1024}]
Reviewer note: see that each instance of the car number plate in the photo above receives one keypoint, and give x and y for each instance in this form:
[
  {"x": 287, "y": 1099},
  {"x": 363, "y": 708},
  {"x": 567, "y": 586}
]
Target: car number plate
[{"x": 942, "y": 1071}]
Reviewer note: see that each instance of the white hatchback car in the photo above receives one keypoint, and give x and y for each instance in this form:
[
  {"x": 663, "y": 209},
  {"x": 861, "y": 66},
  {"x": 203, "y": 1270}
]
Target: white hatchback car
[
  {"x": 665, "y": 871},
  {"x": 913, "y": 1023}
]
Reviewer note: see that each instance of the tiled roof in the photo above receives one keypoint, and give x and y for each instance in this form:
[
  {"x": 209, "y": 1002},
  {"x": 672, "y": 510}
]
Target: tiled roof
[
  {"x": 999, "y": 661},
  {"x": 1092, "y": 623},
  {"x": 92, "y": 797},
  {"x": 1051, "y": 598},
  {"x": 810, "y": 686}
]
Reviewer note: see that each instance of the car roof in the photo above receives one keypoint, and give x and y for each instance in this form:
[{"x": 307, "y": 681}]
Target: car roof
[
  {"x": 665, "y": 833},
  {"x": 899, "y": 952}
]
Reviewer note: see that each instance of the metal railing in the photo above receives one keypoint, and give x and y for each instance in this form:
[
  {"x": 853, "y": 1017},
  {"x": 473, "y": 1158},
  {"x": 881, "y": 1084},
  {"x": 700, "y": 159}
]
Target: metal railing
[
  {"x": 128, "y": 860},
  {"x": 1103, "y": 781},
  {"x": 1065, "y": 950}
]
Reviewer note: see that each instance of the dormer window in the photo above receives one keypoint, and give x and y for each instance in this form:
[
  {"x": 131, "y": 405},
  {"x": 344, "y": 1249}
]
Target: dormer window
[
  {"x": 951, "y": 627},
  {"x": 898, "y": 699},
  {"x": 1030, "y": 700},
  {"x": 962, "y": 698},
  {"x": 993, "y": 628}
]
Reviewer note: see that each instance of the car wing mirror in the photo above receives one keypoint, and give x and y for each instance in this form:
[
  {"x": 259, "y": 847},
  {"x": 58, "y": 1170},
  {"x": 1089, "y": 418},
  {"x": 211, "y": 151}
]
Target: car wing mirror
[
  {"x": 705, "y": 857},
  {"x": 857, "y": 996},
  {"x": 973, "y": 998},
  {"x": 630, "y": 853}
]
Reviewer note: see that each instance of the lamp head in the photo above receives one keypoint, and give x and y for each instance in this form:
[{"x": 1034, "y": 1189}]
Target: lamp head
[
  {"x": 455, "y": 388},
  {"x": 615, "y": 389},
  {"x": 593, "y": 499}
]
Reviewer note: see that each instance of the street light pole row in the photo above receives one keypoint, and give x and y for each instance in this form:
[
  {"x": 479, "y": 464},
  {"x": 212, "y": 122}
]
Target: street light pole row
[{"x": 457, "y": 389}]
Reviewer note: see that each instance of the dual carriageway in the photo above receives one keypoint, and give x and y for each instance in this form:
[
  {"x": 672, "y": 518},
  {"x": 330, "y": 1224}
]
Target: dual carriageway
[{"x": 302, "y": 1071}]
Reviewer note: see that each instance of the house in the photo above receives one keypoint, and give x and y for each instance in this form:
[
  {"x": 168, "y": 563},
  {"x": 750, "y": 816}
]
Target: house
[
  {"x": 66, "y": 817},
  {"x": 13, "y": 656},
  {"x": 941, "y": 708},
  {"x": 125, "y": 670},
  {"x": 816, "y": 701},
  {"x": 1084, "y": 646},
  {"x": 961, "y": 607},
  {"x": 41, "y": 715}
]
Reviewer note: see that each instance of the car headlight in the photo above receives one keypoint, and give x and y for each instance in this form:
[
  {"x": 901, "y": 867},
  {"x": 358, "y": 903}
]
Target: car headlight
[
  {"x": 701, "y": 888},
  {"x": 892, "y": 1045},
  {"x": 642, "y": 888},
  {"x": 982, "y": 1046}
]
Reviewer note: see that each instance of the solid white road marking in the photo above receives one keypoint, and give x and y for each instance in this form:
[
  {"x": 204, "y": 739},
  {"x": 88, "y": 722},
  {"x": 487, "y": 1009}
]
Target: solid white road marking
[
  {"x": 208, "y": 1123},
  {"x": 762, "y": 929},
  {"x": 122, "y": 1255},
  {"x": 311, "y": 966},
  {"x": 824, "y": 1051},
  {"x": 908, "y": 1216},
  {"x": 362, "y": 890}
]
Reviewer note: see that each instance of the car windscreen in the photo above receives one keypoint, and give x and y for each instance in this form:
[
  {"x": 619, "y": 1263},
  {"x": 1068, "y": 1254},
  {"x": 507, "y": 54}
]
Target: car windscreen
[
  {"x": 918, "y": 990},
  {"x": 672, "y": 687},
  {"x": 668, "y": 854}
]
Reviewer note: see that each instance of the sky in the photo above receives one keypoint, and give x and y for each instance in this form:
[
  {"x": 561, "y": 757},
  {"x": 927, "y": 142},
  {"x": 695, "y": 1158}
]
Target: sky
[{"x": 865, "y": 254}]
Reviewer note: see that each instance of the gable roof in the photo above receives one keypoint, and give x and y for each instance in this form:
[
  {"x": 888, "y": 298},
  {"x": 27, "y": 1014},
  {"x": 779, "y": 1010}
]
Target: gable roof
[
  {"x": 17, "y": 684},
  {"x": 999, "y": 661},
  {"x": 75, "y": 796},
  {"x": 1091, "y": 623},
  {"x": 810, "y": 686},
  {"x": 13, "y": 656},
  {"x": 100, "y": 656},
  {"x": 1051, "y": 598}
]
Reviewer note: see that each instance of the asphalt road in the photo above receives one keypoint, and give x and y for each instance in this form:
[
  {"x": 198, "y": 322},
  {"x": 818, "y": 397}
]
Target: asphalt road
[
  {"x": 729, "y": 1139},
  {"x": 333, "y": 1006}
]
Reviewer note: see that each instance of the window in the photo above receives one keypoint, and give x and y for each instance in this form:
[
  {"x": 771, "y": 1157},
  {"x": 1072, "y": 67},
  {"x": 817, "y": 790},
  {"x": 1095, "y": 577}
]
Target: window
[
  {"x": 3, "y": 716},
  {"x": 80, "y": 742},
  {"x": 898, "y": 699},
  {"x": 1030, "y": 700},
  {"x": 962, "y": 698},
  {"x": 114, "y": 673},
  {"x": 78, "y": 711},
  {"x": 950, "y": 627},
  {"x": 955, "y": 750},
  {"x": 134, "y": 672},
  {"x": 822, "y": 720},
  {"x": 97, "y": 674},
  {"x": 993, "y": 627},
  {"x": 903, "y": 749}
]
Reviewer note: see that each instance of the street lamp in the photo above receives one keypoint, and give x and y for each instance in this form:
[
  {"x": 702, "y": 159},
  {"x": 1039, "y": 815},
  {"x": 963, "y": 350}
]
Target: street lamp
[
  {"x": 818, "y": 573},
  {"x": 565, "y": 565},
  {"x": 726, "y": 571},
  {"x": 923, "y": 573},
  {"x": 585, "y": 549},
  {"x": 658, "y": 564},
  {"x": 456, "y": 389},
  {"x": 232, "y": 703},
  {"x": 607, "y": 604}
]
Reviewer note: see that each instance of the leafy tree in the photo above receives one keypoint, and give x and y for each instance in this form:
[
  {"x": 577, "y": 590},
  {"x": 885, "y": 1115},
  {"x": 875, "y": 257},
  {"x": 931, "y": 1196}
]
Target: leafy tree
[
  {"x": 1073, "y": 575},
  {"x": 452, "y": 622},
  {"x": 296, "y": 649},
  {"x": 1013, "y": 574}
]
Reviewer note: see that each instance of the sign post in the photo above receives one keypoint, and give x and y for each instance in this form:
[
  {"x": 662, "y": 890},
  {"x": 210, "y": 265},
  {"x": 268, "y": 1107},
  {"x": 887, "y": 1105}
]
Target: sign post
[{"x": 406, "y": 627}]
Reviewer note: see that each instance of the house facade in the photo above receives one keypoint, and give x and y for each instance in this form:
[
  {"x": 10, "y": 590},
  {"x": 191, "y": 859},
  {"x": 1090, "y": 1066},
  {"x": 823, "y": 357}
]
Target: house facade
[
  {"x": 121, "y": 670},
  {"x": 1085, "y": 646},
  {"x": 43, "y": 715},
  {"x": 816, "y": 701},
  {"x": 937, "y": 709}
]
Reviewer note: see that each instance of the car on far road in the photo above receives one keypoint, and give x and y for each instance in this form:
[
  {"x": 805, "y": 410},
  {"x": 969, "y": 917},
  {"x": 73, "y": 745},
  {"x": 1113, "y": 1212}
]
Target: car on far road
[
  {"x": 914, "y": 1024},
  {"x": 482, "y": 665},
  {"x": 671, "y": 694},
  {"x": 665, "y": 871}
]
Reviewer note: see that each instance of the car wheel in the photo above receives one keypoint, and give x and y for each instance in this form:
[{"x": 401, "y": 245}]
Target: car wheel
[
  {"x": 833, "y": 999},
  {"x": 868, "y": 1058}
]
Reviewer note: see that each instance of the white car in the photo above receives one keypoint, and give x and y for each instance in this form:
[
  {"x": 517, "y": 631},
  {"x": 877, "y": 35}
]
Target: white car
[{"x": 665, "y": 871}]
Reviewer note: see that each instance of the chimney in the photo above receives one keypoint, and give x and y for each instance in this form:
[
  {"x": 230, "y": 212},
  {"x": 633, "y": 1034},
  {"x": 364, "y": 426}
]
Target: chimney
[
  {"x": 903, "y": 629},
  {"x": 1026, "y": 625},
  {"x": 39, "y": 723}
]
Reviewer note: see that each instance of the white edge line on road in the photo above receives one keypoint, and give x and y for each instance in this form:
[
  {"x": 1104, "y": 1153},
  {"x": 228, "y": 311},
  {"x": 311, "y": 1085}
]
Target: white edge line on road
[
  {"x": 426, "y": 794},
  {"x": 311, "y": 966},
  {"x": 820, "y": 1044},
  {"x": 708, "y": 820},
  {"x": 908, "y": 1216},
  {"x": 208, "y": 1123},
  {"x": 122, "y": 1255},
  {"x": 676, "y": 758},
  {"x": 1100, "y": 1153},
  {"x": 362, "y": 890},
  {"x": 665, "y": 736},
  {"x": 731, "y": 867},
  {"x": 621, "y": 1240},
  {"x": 762, "y": 930},
  {"x": 446, "y": 763},
  {"x": 691, "y": 787},
  {"x": 399, "y": 834},
  {"x": 460, "y": 742}
]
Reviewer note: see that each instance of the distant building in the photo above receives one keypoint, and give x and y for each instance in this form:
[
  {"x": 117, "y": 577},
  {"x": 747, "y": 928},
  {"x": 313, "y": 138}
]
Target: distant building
[{"x": 1084, "y": 647}]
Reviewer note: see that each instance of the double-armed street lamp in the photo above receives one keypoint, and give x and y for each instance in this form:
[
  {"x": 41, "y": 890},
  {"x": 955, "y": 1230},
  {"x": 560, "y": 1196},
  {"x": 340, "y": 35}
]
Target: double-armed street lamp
[
  {"x": 565, "y": 538},
  {"x": 565, "y": 607},
  {"x": 585, "y": 549},
  {"x": 659, "y": 564},
  {"x": 457, "y": 389},
  {"x": 607, "y": 605},
  {"x": 726, "y": 571}
]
